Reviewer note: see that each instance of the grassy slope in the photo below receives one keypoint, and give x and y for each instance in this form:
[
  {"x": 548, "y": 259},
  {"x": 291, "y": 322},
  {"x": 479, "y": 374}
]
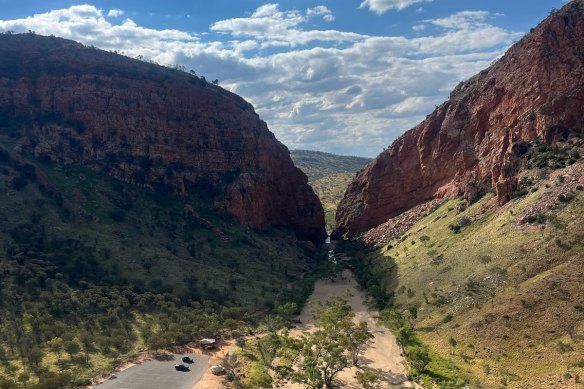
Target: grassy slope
[
  {"x": 329, "y": 175},
  {"x": 508, "y": 296},
  {"x": 330, "y": 191},
  {"x": 71, "y": 234}
]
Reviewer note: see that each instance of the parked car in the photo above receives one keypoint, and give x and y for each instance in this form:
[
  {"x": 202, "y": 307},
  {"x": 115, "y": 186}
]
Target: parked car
[
  {"x": 188, "y": 360},
  {"x": 182, "y": 368},
  {"x": 217, "y": 370}
]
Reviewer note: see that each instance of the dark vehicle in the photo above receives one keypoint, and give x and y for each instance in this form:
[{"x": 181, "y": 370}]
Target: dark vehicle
[
  {"x": 187, "y": 360},
  {"x": 182, "y": 368}
]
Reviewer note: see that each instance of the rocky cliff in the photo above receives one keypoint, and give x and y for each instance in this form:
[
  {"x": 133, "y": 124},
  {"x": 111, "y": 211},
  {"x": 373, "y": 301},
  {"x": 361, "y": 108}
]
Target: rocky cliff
[
  {"x": 478, "y": 138},
  {"x": 152, "y": 126}
]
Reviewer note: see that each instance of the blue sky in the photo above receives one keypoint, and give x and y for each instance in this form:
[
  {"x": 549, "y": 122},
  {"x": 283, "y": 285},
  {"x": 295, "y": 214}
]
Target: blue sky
[{"x": 344, "y": 76}]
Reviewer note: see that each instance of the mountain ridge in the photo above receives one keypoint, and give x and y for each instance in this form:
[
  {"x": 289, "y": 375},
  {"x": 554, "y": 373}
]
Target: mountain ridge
[
  {"x": 151, "y": 126},
  {"x": 478, "y": 138}
]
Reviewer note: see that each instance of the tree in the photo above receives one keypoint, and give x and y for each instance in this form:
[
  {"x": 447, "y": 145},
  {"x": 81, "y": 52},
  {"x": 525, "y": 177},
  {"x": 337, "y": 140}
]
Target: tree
[
  {"x": 418, "y": 357},
  {"x": 72, "y": 348},
  {"x": 359, "y": 338},
  {"x": 240, "y": 342},
  {"x": 56, "y": 346},
  {"x": 403, "y": 337},
  {"x": 274, "y": 323},
  {"x": 368, "y": 379},
  {"x": 259, "y": 377},
  {"x": 310, "y": 374},
  {"x": 335, "y": 316},
  {"x": 268, "y": 348},
  {"x": 86, "y": 343},
  {"x": 287, "y": 311},
  {"x": 232, "y": 366},
  {"x": 453, "y": 343},
  {"x": 327, "y": 353}
]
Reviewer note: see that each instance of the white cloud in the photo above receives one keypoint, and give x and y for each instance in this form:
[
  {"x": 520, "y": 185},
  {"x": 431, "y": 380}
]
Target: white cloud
[
  {"x": 381, "y": 6},
  {"x": 282, "y": 28},
  {"x": 462, "y": 20},
  {"x": 115, "y": 13},
  {"x": 326, "y": 13},
  {"x": 332, "y": 90}
]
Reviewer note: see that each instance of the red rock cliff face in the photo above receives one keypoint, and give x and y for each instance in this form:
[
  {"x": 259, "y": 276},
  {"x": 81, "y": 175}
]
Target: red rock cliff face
[
  {"x": 476, "y": 138},
  {"x": 151, "y": 126}
]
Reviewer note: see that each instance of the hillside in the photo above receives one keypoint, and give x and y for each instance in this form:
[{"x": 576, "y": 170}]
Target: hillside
[
  {"x": 497, "y": 291},
  {"x": 152, "y": 126},
  {"x": 95, "y": 270},
  {"x": 140, "y": 208},
  {"x": 329, "y": 175},
  {"x": 469, "y": 225},
  {"x": 478, "y": 139}
]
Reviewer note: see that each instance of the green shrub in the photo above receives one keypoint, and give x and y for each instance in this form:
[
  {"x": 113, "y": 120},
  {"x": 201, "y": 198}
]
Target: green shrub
[
  {"x": 538, "y": 218},
  {"x": 566, "y": 197}
]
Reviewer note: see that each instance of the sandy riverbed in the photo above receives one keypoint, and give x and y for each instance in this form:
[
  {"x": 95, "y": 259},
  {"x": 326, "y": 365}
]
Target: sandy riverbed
[{"x": 383, "y": 355}]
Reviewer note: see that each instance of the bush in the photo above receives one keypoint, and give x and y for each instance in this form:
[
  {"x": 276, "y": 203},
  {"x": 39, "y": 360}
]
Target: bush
[
  {"x": 462, "y": 222},
  {"x": 538, "y": 218},
  {"x": 418, "y": 357},
  {"x": 566, "y": 197}
]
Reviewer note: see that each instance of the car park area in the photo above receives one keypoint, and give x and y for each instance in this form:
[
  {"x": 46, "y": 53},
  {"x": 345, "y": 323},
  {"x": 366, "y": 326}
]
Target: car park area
[{"x": 159, "y": 373}]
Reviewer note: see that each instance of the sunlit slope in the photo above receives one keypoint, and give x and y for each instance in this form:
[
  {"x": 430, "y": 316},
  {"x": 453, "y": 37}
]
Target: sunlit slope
[{"x": 499, "y": 290}]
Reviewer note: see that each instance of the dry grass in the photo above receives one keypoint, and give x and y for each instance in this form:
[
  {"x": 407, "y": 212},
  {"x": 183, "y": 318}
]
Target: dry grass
[{"x": 511, "y": 295}]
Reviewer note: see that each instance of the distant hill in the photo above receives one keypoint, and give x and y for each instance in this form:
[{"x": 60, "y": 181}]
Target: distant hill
[
  {"x": 329, "y": 175},
  {"x": 317, "y": 164}
]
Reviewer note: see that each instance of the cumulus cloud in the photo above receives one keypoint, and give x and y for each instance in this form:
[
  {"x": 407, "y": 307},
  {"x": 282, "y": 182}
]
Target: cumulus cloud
[
  {"x": 326, "y": 13},
  {"x": 381, "y": 6},
  {"x": 463, "y": 20},
  {"x": 273, "y": 27},
  {"x": 115, "y": 13},
  {"x": 331, "y": 90}
]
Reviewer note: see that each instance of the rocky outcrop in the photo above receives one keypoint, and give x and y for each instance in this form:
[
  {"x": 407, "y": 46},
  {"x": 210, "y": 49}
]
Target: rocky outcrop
[
  {"x": 152, "y": 126},
  {"x": 476, "y": 140}
]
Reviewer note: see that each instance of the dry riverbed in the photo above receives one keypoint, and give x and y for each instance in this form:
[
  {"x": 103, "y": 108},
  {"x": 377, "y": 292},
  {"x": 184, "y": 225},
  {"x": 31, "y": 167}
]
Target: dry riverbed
[{"x": 383, "y": 355}]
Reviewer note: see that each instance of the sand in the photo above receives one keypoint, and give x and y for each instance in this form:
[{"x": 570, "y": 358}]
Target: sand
[
  {"x": 209, "y": 380},
  {"x": 383, "y": 355}
]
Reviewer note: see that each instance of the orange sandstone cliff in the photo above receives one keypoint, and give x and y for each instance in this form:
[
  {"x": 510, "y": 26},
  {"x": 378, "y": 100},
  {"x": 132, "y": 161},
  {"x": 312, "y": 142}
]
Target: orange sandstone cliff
[
  {"x": 152, "y": 126},
  {"x": 476, "y": 140}
]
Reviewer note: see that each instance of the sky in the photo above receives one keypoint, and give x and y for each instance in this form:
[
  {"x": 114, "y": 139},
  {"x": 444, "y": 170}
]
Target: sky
[{"x": 343, "y": 76}]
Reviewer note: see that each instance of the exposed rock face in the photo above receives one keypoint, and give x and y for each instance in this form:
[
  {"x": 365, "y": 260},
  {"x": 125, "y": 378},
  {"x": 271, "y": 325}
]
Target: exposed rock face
[
  {"x": 476, "y": 139},
  {"x": 152, "y": 126}
]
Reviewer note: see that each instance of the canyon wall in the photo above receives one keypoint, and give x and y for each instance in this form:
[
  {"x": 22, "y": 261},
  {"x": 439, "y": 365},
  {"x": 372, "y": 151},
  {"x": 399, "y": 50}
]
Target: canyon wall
[
  {"x": 159, "y": 128},
  {"x": 475, "y": 141}
]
